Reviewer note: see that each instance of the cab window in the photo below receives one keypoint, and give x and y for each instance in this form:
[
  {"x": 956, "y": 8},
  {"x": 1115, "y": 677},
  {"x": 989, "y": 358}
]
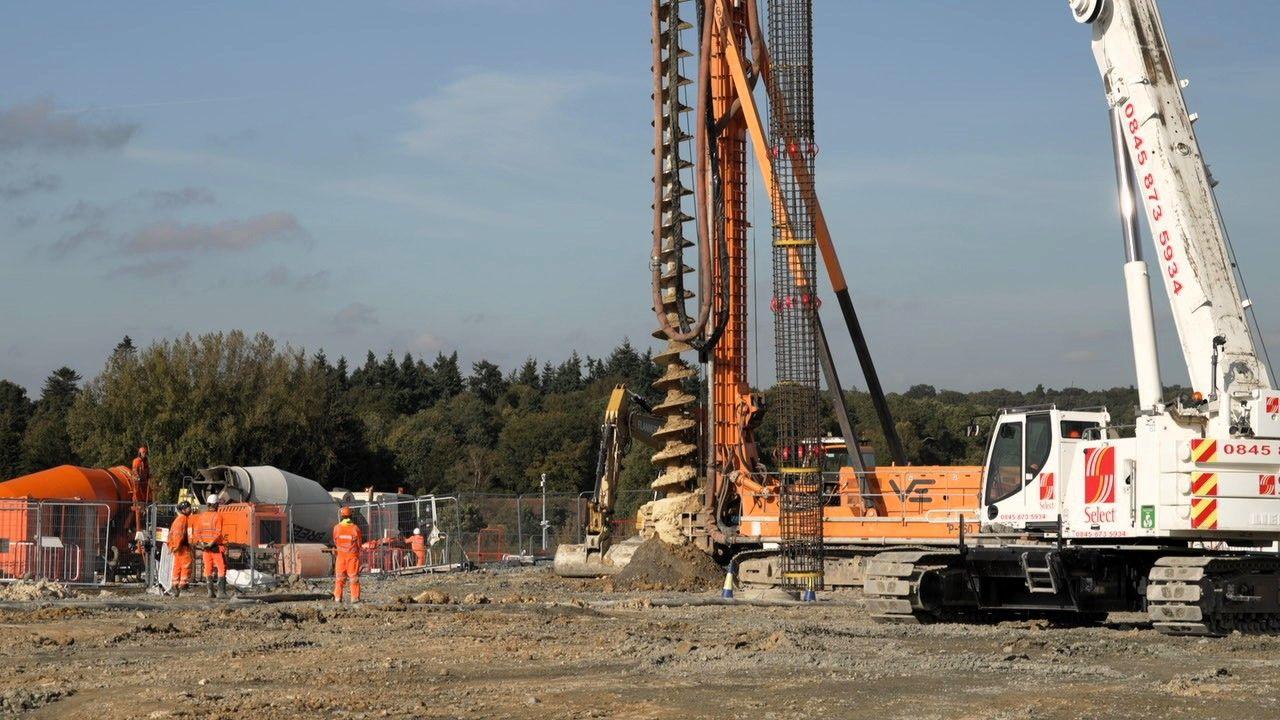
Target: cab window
[
  {"x": 1004, "y": 474},
  {"x": 834, "y": 458},
  {"x": 1080, "y": 429},
  {"x": 1039, "y": 443}
]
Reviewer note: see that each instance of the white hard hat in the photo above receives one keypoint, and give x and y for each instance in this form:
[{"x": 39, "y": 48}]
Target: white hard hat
[
  {"x": 417, "y": 531},
  {"x": 213, "y": 500}
]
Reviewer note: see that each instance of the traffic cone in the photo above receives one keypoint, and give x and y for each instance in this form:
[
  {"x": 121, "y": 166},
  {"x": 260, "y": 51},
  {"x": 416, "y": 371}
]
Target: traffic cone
[{"x": 727, "y": 592}]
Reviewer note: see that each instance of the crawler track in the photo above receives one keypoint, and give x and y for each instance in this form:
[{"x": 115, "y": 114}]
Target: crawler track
[
  {"x": 1214, "y": 596},
  {"x": 901, "y": 586}
]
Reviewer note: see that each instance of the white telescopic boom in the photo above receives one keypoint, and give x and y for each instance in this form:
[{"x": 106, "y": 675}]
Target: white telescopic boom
[{"x": 1144, "y": 91}]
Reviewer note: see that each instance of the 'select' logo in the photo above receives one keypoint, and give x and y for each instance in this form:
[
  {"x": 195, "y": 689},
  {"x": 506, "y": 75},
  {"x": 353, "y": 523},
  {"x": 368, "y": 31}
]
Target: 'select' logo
[
  {"x": 1100, "y": 475},
  {"x": 1047, "y": 490}
]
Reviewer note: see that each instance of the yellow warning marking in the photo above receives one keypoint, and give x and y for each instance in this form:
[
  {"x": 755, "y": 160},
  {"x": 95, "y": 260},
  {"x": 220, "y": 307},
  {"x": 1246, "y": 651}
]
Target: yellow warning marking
[{"x": 1204, "y": 451}]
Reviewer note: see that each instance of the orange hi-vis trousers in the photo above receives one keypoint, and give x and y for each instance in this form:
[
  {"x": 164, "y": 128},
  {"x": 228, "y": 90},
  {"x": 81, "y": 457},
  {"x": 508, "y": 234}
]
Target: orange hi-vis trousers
[
  {"x": 346, "y": 565},
  {"x": 182, "y": 561},
  {"x": 215, "y": 563}
]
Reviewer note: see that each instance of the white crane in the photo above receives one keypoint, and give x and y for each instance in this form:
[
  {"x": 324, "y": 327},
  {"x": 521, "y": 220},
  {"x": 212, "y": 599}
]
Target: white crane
[
  {"x": 1157, "y": 147},
  {"x": 1084, "y": 518}
]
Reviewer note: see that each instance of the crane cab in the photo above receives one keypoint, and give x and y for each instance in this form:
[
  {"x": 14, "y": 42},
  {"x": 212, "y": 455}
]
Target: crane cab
[{"x": 1029, "y": 460}]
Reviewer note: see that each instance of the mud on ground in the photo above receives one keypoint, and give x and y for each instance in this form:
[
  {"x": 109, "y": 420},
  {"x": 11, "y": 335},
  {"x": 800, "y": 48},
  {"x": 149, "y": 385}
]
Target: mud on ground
[
  {"x": 657, "y": 565},
  {"x": 524, "y": 644}
]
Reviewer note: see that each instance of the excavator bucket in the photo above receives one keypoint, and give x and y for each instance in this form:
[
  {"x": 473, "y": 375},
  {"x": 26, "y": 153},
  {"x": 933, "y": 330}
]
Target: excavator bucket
[{"x": 586, "y": 562}]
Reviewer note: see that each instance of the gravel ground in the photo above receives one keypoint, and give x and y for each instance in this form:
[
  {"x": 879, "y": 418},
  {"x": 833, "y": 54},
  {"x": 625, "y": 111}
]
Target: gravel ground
[{"x": 524, "y": 644}]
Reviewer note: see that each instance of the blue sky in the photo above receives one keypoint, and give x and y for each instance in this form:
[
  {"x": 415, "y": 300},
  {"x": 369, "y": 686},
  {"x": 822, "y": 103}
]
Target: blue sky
[{"x": 474, "y": 175}]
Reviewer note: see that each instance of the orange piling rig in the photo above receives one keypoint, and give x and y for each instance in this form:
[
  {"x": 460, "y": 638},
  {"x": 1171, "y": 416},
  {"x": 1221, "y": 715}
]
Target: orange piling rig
[
  {"x": 894, "y": 504},
  {"x": 733, "y": 402}
]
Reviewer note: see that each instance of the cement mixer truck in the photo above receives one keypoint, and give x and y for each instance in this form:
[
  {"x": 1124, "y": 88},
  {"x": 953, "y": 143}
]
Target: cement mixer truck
[
  {"x": 71, "y": 524},
  {"x": 312, "y": 512}
]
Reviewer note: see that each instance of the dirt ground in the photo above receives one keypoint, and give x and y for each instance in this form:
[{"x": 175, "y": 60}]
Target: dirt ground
[{"x": 542, "y": 647}]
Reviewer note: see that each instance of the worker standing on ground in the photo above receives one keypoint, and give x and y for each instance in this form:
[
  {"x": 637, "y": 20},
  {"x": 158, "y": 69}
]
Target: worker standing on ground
[
  {"x": 180, "y": 548},
  {"x": 347, "y": 540},
  {"x": 213, "y": 543},
  {"x": 418, "y": 544}
]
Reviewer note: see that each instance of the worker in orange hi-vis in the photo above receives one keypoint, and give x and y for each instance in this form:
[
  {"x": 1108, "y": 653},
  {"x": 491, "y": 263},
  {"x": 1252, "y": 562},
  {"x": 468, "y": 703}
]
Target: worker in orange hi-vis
[
  {"x": 180, "y": 547},
  {"x": 418, "y": 545},
  {"x": 211, "y": 540},
  {"x": 347, "y": 540},
  {"x": 141, "y": 476},
  {"x": 141, "y": 486}
]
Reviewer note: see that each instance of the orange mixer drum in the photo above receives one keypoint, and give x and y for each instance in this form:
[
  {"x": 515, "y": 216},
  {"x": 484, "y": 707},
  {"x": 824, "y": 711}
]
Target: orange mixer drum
[{"x": 68, "y": 482}]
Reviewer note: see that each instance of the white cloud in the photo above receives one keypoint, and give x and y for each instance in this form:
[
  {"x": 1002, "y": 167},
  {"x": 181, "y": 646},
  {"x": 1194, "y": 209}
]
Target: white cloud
[
  {"x": 355, "y": 317},
  {"x": 228, "y": 235},
  {"x": 73, "y": 241},
  {"x": 180, "y": 198},
  {"x": 152, "y": 268},
  {"x": 426, "y": 344},
  {"x": 281, "y": 277},
  {"x": 499, "y": 118},
  {"x": 32, "y": 184},
  {"x": 40, "y": 126}
]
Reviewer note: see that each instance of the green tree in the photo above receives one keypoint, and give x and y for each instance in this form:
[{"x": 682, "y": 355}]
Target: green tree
[
  {"x": 920, "y": 392},
  {"x": 559, "y": 439},
  {"x": 448, "y": 377},
  {"x": 15, "y": 413},
  {"x": 46, "y": 442},
  {"x": 217, "y": 399},
  {"x": 527, "y": 375},
  {"x": 486, "y": 381},
  {"x": 424, "y": 448},
  {"x": 567, "y": 377}
]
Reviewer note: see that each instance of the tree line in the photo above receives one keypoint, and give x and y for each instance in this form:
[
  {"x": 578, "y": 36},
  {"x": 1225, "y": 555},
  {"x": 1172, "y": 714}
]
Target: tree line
[{"x": 427, "y": 426}]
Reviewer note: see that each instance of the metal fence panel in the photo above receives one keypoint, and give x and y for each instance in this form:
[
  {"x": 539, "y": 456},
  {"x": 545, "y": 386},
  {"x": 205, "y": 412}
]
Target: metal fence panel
[
  {"x": 67, "y": 542},
  {"x": 388, "y": 525}
]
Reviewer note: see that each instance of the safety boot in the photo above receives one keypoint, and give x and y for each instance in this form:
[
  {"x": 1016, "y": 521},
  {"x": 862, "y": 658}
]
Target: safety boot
[
  {"x": 177, "y": 590},
  {"x": 213, "y": 590},
  {"x": 222, "y": 587}
]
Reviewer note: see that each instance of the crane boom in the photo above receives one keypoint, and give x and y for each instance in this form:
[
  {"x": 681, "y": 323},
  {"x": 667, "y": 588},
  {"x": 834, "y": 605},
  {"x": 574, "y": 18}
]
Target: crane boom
[{"x": 1176, "y": 189}]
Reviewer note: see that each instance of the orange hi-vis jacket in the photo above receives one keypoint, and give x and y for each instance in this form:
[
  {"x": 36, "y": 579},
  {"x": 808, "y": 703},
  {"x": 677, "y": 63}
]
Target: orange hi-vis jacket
[
  {"x": 142, "y": 468},
  {"x": 347, "y": 538},
  {"x": 142, "y": 488},
  {"x": 209, "y": 529},
  {"x": 417, "y": 543},
  {"x": 178, "y": 540}
]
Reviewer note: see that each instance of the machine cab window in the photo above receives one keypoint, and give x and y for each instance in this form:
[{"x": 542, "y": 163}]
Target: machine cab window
[
  {"x": 1004, "y": 470},
  {"x": 1039, "y": 444},
  {"x": 1080, "y": 430}
]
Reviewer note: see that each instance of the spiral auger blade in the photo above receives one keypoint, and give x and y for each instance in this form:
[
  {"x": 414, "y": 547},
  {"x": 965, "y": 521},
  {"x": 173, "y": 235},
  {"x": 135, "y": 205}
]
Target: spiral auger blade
[{"x": 677, "y": 460}]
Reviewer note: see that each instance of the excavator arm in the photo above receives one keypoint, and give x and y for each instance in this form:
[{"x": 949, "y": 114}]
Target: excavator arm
[{"x": 626, "y": 418}]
